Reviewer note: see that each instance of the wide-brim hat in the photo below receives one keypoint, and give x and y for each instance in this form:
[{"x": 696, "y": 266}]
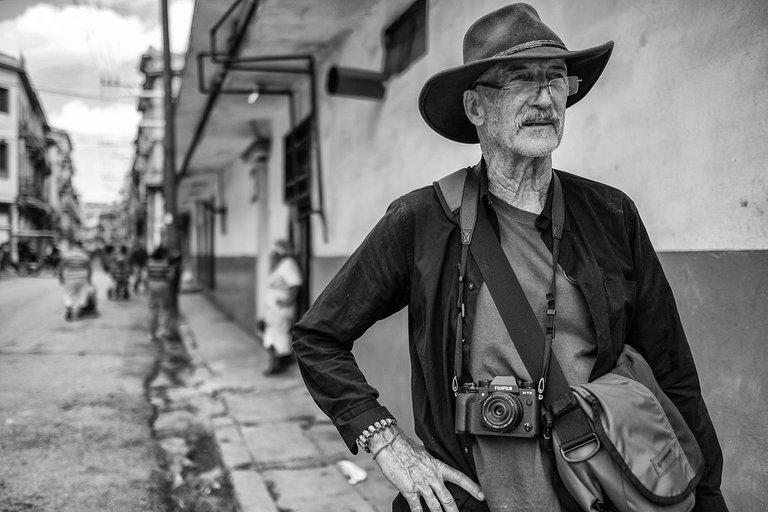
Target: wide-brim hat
[{"x": 514, "y": 32}]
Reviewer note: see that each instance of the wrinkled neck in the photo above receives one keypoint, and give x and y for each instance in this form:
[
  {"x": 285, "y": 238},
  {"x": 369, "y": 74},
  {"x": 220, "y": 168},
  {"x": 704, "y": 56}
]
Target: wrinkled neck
[{"x": 520, "y": 181}]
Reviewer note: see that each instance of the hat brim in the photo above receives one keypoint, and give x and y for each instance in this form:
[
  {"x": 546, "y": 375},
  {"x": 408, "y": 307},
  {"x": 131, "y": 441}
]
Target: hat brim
[{"x": 441, "y": 100}]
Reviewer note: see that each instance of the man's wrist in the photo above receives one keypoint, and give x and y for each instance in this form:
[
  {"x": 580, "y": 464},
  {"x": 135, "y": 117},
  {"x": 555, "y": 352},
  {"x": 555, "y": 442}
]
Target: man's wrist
[
  {"x": 383, "y": 438},
  {"x": 373, "y": 431}
]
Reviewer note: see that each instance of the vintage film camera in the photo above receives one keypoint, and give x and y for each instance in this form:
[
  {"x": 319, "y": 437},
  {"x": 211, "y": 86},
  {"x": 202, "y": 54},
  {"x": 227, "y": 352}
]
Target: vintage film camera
[{"x": 503, "y": 406}]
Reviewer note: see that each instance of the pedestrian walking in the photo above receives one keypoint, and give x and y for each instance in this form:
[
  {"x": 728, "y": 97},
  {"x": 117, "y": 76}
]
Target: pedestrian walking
[
  {"x": 120, "y": 272},
  {"x": 158, "y": 283},
  {"x": 283, "y": 286},
  {"x": 138, "y": 261},
  {"x": 75, "y": 276},
  {"x": 5, "y": 257}
]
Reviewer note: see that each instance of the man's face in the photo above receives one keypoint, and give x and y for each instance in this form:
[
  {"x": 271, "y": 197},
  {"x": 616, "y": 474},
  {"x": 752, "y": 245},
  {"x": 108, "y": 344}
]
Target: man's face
[{"x": 528, "y": 121}]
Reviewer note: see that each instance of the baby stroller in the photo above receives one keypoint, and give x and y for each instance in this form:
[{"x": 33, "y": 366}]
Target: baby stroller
[{"x": 120, "y": 273}]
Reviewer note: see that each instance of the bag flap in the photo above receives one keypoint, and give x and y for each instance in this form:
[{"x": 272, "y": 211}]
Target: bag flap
[{"x": 662, "y": 461}]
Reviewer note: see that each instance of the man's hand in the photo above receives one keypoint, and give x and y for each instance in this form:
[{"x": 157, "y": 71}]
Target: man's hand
[{"x": 416, "y": 474}]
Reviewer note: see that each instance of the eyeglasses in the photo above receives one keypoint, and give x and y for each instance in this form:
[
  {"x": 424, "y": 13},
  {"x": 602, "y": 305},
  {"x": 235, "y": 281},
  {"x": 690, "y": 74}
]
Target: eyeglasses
[{"x": 568, "y": 85}]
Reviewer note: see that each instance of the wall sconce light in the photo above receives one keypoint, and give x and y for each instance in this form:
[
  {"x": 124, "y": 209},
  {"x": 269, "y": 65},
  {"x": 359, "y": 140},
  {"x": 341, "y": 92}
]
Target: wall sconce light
[
  {"x": 254, "y": 95},
  {"x": 356, "y": 82}
]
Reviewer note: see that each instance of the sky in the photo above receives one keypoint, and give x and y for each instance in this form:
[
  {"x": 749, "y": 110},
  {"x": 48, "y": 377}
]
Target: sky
[{"x": 74, "y": 50}]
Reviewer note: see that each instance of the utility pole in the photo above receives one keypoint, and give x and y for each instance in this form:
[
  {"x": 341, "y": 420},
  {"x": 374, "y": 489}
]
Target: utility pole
[{"x": 169, "y": 168}]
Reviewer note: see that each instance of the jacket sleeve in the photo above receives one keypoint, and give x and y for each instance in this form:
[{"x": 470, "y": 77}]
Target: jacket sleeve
[
  {"x": 372, "y": 284},
  {"x": 656, "y": 331}
]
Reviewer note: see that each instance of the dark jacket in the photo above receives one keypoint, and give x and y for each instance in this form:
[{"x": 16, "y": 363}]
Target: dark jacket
[{"x": 410, "y": 259}]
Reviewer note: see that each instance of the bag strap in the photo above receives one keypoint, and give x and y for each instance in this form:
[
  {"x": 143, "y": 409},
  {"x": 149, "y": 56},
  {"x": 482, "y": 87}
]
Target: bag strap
[{"x": 467, "y": 219}]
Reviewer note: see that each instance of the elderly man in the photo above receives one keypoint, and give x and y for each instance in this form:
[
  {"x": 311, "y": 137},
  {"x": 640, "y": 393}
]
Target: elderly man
[{"x": 510, "y": 95}]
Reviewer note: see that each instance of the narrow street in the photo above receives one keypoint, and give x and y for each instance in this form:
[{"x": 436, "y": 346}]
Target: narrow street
[{"x": 74, "y": 422}]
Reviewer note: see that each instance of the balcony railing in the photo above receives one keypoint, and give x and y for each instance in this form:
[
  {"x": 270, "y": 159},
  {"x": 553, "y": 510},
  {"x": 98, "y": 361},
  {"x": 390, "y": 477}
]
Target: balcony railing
[{"x": 29, "y": 187}]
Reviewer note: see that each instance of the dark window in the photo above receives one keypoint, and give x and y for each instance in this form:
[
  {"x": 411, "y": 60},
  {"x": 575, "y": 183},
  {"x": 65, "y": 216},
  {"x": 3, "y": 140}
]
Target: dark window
[
  {"x": 298, "y": 167},
  {"x": 4, "y": 100},
  {"x": 405, "y": 39},
  {"x": 4, "y": 159}
]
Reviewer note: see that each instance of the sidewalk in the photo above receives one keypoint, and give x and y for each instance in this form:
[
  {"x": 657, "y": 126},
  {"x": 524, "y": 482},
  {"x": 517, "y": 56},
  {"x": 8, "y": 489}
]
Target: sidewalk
[{"x": 279, "y": 449}]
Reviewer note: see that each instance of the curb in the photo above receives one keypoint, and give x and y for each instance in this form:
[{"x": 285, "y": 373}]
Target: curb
[{"x": 182, "y": 425}]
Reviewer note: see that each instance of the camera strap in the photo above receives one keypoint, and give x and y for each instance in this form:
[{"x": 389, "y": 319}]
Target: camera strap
[{"x": 479, "y": 238}]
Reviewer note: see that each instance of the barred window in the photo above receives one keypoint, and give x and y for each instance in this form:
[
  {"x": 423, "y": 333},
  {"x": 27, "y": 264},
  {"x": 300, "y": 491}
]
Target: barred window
[
  {"x": 405, "y": 39},
  {"x": 4, "y": 165},
  {"x": 4, "y": 100}
]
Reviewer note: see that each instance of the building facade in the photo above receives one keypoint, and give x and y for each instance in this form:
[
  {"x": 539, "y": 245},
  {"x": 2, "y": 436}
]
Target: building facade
[
  {"x": 62, "y": 196},
  {"x": 30, "y": 205},
  {"x": 677, "y": 121},
  {"x": 143, "y": 196}
]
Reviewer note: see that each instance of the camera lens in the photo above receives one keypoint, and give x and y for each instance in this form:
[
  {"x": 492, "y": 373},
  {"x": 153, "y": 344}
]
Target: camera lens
[{"x": 501, "y": 412}]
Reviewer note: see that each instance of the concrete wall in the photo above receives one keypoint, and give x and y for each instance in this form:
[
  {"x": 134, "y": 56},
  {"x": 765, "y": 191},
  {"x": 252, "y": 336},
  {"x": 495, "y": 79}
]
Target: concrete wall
[
  {"x": 677, "y": 121},
  {"x": 722, "y": 299},
  {"x": 235, "y": 291},
  {"x": 236, "y": 234}
]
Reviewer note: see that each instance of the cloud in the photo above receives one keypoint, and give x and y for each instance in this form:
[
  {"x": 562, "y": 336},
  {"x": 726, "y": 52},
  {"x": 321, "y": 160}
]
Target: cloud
[
  {"x": 72, "y": 47},
  {"x": 49, "y": 34},
  {"x": 102, "y": 36},
  {"x": 102, "y": 138},
  {"x": 110, "y": 120}
]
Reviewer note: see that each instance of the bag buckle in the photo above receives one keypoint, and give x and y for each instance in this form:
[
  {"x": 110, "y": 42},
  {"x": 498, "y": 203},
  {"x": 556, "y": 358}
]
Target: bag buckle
[{"x": 571, "y": 446}]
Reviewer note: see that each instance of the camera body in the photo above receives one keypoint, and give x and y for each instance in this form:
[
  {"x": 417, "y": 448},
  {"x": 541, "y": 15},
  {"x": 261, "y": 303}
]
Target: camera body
[{"x": 503, "y": 406}]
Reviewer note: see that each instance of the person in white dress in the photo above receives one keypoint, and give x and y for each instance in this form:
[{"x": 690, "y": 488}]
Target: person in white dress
[{"x": 282, "y": 290}]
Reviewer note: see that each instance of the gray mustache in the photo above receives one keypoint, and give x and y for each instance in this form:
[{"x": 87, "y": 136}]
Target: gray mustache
[{"x": 537, "y": 116}]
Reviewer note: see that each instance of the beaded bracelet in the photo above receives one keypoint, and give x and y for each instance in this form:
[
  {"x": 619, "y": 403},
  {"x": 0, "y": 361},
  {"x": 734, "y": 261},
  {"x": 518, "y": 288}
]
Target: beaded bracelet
[
  {"x": 377, "y": 452},
  {"x": 365, "y": 436}
]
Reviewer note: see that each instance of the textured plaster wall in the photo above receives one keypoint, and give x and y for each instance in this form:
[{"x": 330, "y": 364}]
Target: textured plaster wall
[
  {"x": 241, "y": 227},
  {"x": 723, "y": 298},
  {"x": 235, "y": 292},
  {"x": 678, "y": 120}
]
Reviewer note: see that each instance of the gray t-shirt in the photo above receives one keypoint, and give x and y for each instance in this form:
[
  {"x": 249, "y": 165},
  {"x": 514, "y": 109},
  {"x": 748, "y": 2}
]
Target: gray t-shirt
[{"x": 513, "y": 472}]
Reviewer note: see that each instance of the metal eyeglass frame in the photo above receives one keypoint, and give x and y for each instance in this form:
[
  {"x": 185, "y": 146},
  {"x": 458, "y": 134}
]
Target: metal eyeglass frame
[{"x": 571, "y": 81}]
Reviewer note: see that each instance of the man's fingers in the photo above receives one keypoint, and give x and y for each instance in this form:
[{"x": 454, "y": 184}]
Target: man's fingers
[
  {"x": 433, "y": 504},
  {"x": 457, "y": 477},
  {"x": 413, "y": 501},
  {"x": 445, "y": 497}
]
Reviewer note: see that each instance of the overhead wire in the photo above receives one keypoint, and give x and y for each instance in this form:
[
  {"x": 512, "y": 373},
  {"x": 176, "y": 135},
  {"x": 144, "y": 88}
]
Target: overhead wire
[{"x": 105, "y": 45}]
